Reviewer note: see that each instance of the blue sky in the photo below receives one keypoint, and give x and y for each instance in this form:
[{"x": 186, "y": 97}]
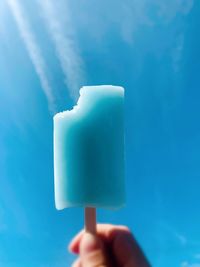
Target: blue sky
[{"x": 48, "y": 51}]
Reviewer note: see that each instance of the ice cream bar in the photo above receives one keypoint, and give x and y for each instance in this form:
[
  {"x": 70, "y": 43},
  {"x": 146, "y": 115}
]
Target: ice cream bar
[{"x": 89, "y": 150}]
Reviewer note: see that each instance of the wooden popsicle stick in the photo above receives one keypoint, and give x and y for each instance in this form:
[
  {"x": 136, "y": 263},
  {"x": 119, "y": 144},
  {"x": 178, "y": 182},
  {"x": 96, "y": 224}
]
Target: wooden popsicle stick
[{"x": 90, "y": 220}]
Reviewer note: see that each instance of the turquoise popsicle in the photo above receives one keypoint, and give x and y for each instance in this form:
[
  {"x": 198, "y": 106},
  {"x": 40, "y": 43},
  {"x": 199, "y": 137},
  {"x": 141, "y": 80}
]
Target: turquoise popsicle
[{"x": 89, "y": 150}]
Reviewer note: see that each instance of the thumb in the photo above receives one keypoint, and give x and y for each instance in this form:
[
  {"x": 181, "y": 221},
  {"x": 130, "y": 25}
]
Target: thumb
[{"x": 92, "y": 251}]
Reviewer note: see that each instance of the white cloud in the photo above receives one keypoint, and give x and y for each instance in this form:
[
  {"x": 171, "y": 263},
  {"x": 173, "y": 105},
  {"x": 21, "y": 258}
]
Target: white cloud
[
  {"x": 128, "y": 16},
  {"x": 33, "y": 49},
  {"x": 66, "y": 49},
  {"x": 167, "y": 10},
  {"x": 137, "y": 13}
]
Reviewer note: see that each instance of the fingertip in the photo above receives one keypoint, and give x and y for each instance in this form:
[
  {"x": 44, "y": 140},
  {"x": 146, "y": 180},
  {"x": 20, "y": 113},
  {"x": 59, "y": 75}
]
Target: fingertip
[{"x": 73, "y": 248}]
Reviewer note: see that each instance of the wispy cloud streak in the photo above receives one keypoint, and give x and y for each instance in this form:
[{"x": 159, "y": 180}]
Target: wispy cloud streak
[
  {"x": 67, "y": 52},
  {"x": 33, "y": 50}
]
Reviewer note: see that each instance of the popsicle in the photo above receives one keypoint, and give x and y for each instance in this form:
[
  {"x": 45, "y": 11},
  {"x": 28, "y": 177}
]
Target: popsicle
[{"x": 89, "y": 151}]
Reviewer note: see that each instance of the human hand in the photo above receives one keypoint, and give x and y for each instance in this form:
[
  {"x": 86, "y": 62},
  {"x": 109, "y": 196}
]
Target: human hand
[{"x": 113, "y": 246}]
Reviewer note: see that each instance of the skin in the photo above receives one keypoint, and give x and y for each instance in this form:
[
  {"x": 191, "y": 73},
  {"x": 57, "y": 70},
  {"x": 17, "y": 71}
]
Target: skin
[{"x": 113, "y": 246}]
